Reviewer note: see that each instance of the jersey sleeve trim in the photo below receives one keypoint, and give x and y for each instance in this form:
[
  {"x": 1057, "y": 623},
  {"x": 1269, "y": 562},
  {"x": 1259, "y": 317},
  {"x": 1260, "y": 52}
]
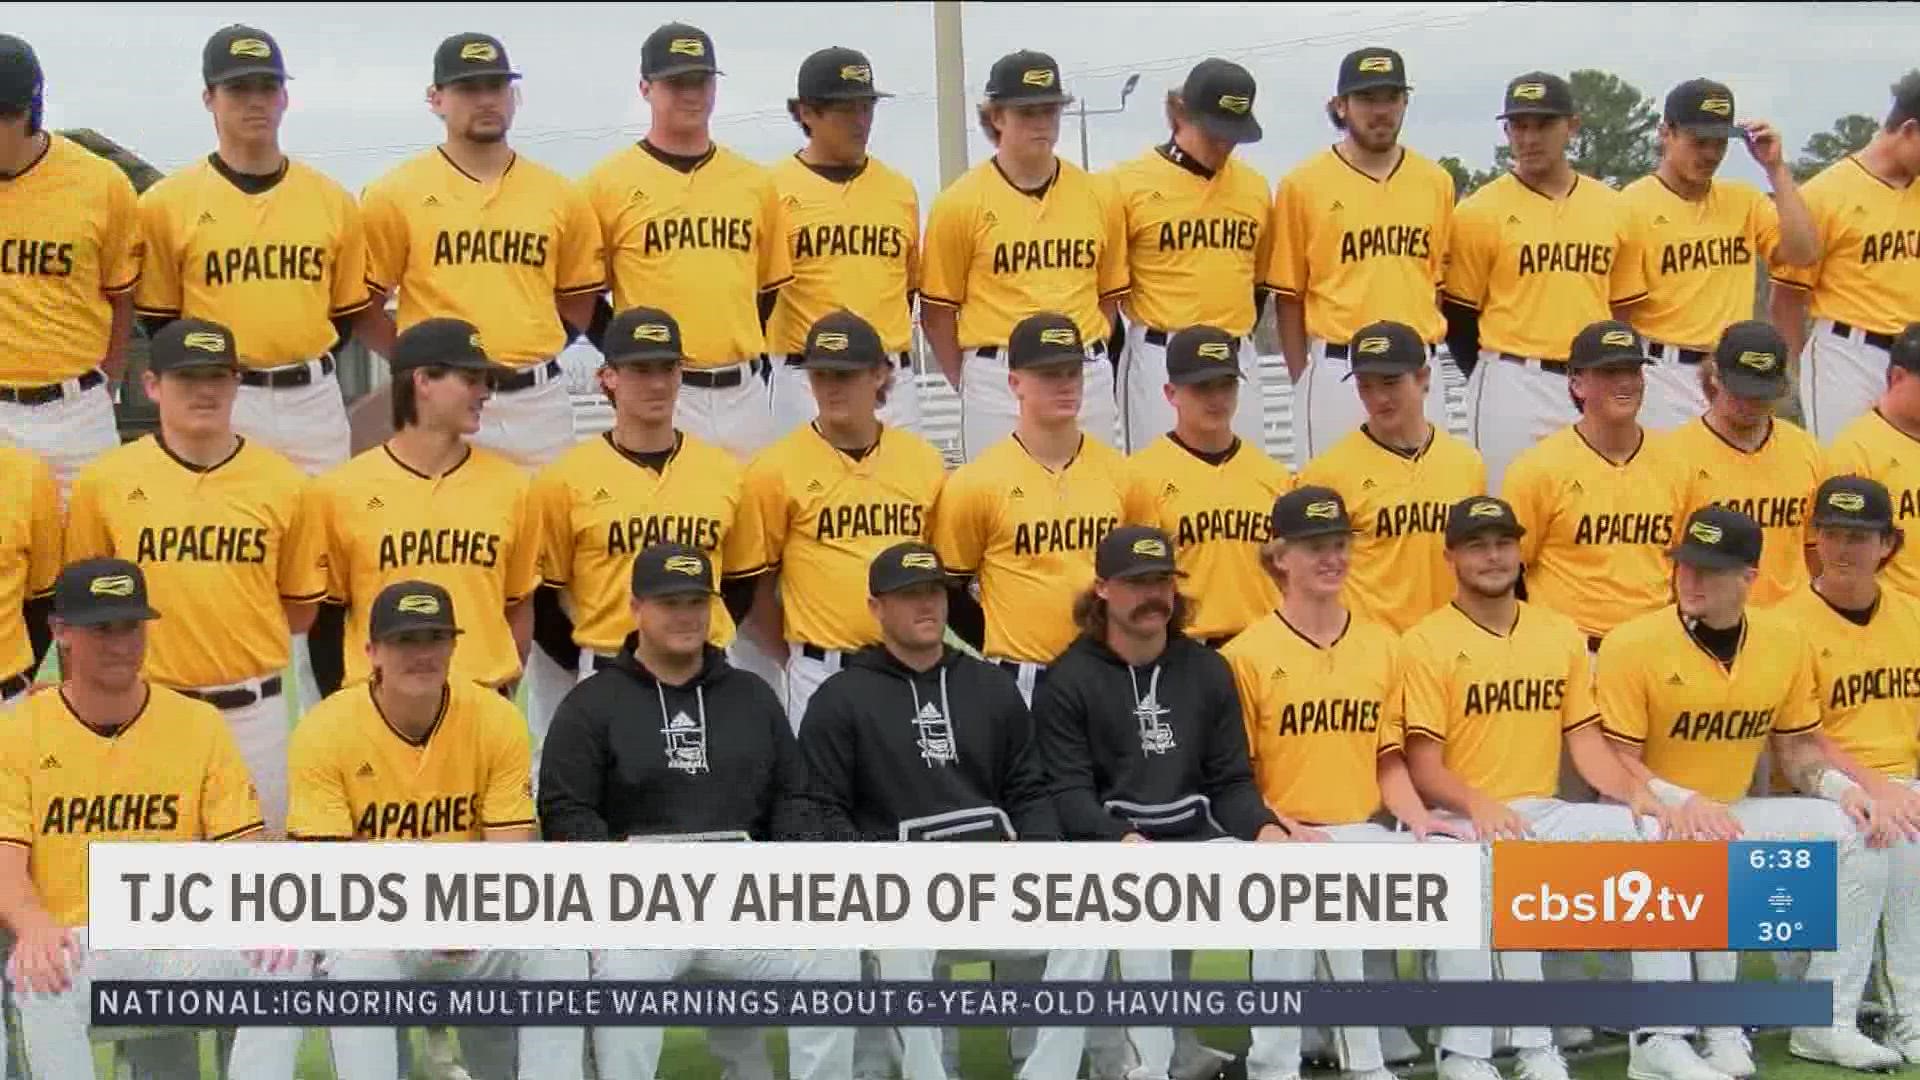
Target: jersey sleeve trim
[
  {"x": 235, "y": 834},
  {"x": 1389, "y": 748},
  {"x": 1634, "y": 299},
  {"x": 1277, "y": 290},
  {"x": 742, "y": 575},
  {"x": 1426, "y": 732},
  {"x": 17, "y": 842},
  {"x": 116, "y": 290},
  {"x": 351, "y": 309},
  {"x": 940, "y": 301},
  {"x": 553, "y": 583},
  {"x": 42, "y": 594},
  {"x": 305, "y": 598},
  {"x": 778, "y": 285},
  {"x": 581, "y": 290},
  {"x": 383, "y": 290},
  {"x": 1468, "y": 304},
  {"x": 1801, "y": 730},
  {"x": 1800, "y": 285},
  {"x": 1113, "y": 294},
  {"x": 1620, "y": 736},
  {"x": 526, "y": 824},
  {"x": 515, "y": 598},
  {"x": 1582, "y": 724},
  {"x": 156, "y": 312}
]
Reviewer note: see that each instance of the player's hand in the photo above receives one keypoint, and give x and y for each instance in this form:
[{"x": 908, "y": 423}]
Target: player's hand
[
  {"x": 1432, "y": 826},
  {"x": 1134, "y": 838},
  {"x": 1701, "y": 818},
  {"x": 43, "y": 959},
  {"x": 1495, "y": 820},
  {"x": 274, "y": 961},
  {"x": 1273, "y": 834},
  {"x": 1763, "y": 142},
  {"x": 1899, "y": 808}
]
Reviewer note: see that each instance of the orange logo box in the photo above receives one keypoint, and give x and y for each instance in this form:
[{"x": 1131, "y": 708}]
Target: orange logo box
[{"x": 1627, "y": 896}]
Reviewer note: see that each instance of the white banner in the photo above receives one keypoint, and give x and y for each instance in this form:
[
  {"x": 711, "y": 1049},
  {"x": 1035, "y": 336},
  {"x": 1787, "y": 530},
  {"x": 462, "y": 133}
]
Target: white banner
[{"x": 765, "y": 896}]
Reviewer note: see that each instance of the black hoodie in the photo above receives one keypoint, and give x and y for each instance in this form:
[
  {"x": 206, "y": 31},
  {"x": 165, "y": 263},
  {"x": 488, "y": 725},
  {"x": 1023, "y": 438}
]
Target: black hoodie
[
  {"x": 628, "y": 755},
  {"x": 897, "y": 754},
  {"x": 1158, "y": 739}
]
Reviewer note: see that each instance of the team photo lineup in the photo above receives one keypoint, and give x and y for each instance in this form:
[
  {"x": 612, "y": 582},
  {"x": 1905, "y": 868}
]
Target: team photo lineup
[{"x": 1659, "y": 589}]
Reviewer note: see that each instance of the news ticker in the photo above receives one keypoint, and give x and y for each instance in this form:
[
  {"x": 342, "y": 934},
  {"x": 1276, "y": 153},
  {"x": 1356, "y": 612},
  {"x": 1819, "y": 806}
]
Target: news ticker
[{"x": 680, "y": 895}]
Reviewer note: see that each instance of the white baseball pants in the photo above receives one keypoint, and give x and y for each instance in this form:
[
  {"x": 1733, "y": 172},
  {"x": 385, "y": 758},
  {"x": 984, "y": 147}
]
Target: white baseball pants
[
  {"x": 791, "y": 397},
  {"x": 1841, "y": 376},
  {"x": 530, "y": 427},
  {"x": 807, "y": 667},
  {"x": 1673, "y": 394},
  {"x": 1510, "y": 406},
  {"x": 1897, "y": 910},
  {"x": 1326, "y": 404},
  {"x": 306, "y": 424},
  {"x": 1145, "y": 412},
  {"x": 727, "y": 407},
  {"x": 66, "y": 433},
  {"x": 261, "y": 732},
  {"x": 1057, "y": 1050},
  {"x": 989, "y": 413}
]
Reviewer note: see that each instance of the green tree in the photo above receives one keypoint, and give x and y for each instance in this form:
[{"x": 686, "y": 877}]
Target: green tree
[
  {"x": 1617, "y": 141},
  {"x": 139, "y": 172},
  {"x": 1849, "y": 134}
]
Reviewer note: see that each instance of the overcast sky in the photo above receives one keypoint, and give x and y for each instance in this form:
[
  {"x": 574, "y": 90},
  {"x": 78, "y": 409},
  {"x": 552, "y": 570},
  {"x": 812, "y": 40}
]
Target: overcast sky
[{"x": 360, "y": 70}]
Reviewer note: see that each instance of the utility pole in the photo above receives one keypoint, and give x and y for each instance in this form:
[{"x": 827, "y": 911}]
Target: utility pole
[
  {"x": 949, "y": 75},
  {"x": 1083, "y": 112}
]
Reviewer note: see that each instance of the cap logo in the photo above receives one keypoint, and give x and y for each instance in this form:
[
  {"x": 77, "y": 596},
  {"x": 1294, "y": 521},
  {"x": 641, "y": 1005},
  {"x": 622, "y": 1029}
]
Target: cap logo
[
  {"x": 1705, "y": 533},
  {"x": 474, "y": 340},
  {"x": 1376, "y": 63},
  {"x": 687, "y": 46},
  {"x": 418, "y": 604},
  {"x": 1485, "y": 510},
  {"x": 1530, "y": 91},
  {"x": 919, "y": 560},
  {"x": 1622, "y": 338},
  {"x": 204, "y": 341},
  {"x": 1037, "y": 77},
  {"x": 1215, "y": 350},
  {"x": 651, "y": 331},
  {"x": 1759, "y": 361},
  {"x": 1059, "y": 337},
  {"x": 684, "y": 564},
  {"x": 859, "y": 73},
  {"x": 250, "y": 46},
  {"x": 1851, "y": 501},
  {"x": 1373, "y": 346},
  {"x": 111, "y": 585},
  {"x": 1327, "y": 509},
  {"x": 1718, "y": 106},
  {"x": 832, "y": 342},
  {"x": 1150, "y": 547},
  {"x": 1236, "y": 104},
  {"x": 479, "y": 52}
]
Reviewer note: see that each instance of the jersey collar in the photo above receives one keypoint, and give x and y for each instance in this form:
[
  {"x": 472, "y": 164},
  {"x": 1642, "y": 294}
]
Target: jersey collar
[
  {"x": 446, "y": 695},
  {"x": 411, "y": 471},
  {"x": 1364, "y": 175},
  {"x": 451, "y": 164},
  {"x": 31, "y": 165},
  {"x": 1711, "y": 430},
  {"x": 239, "y": 444},
  {"x": 104, "y": 733},
  {"x": 1037, "y": 193},
  {"x": 1338, "y": 638},
  {"x": 1432, "y": 432},
  {"x": 1637, "y": 447},
  {"x": 1171, "y": 153}
]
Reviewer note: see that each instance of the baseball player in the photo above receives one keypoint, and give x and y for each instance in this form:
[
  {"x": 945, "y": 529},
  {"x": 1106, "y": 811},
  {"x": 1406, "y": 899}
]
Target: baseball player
[
  {"x": 1197, "y": 239},
  {"x": 214, "y": 521},
  {"x": 1700, "y": 238},
  {"x": 66, "y": 278},
  {"x": 1741, "y": 455},
  {"x": 853, "y": 233},
  {"x": 1397, "y": 474},
  {"x": 428, "y": 503},
  {"x": 695, "y": 228},
  {"x": 1693, "y": 693},
  {"x": 1320, "y": 686},
  {"x": 1865, "y": 285},
  {"x": 473, "y": 230},
  {"x": 420, "y": 755},
  {"x": 1495, "y": 688},
  {"x": 1022, "y": 232},
  {"x": 267, "y": 246},
  {"x": 1360, "y": 232},
  {"x": 110, "y": 757},
  {"x": 1864, "y": 638},
  {"x": 831, "y": 496},
  {"x": 1208, "y": 487},
  {"x": 1872, "y": 444},
  {"x": 32, "y": 549},
  {"x": 1536, "y": 255}
]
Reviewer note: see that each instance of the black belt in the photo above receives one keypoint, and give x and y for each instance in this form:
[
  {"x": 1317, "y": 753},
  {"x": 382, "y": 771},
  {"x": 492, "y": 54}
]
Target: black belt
[
  {"x": 286, "y": 377},
  {"x": 1557, "y": 367},
  {"x": 815, "y": 652},
  {"x": 1878, "y": 341},
  {"x": 602, "y": 663},
  {"x": 51, "y": 392},
  {"x": 18, "y": 684},
  {"x": 1593, "y": 643},
  {"x": 722, "y": 379},
  {"x": 1095, "y": 349},
  {"x": 236, "y": 699},
  {"x": 1685, "y": 356},
  {"x": 905, "y": 360},
  {"x": 507, "y": 384}
]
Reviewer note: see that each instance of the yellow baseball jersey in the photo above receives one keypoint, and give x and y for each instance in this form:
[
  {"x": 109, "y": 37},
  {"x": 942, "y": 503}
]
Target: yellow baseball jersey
[
  {"x": 1319, "y": 719},
  {"x": 1197, "y": 240},
  {"x": 852, "y": 245},
  {"x": 827, "y": 515},
  {"x": 1699, "y": 257},
  {"x": 71, "y": 244},
  {"x": 493, "y": 253},
  {"x": 1353, "y": 249},
  {"x": 274, "y": 267},
  {"x": 352, "y": 776},
  {"x": 1218, "y": 517},
  {"x": 999, "y": 254},
  {"x": 1866, "y": 678},
  {"x": 1029, "y": 533},
  {"x": 473, "y": 531},
  {"x": 700, "y": 245},
  {"x": 1597, "y": 533},
  {"x": 1541, "y": 270},
  {"x": 1399, "y": 505},
  {"x": 170, "y": 775},
  {"x": 1869, "y": 446},
  {"x": 1499, "y": 703},
  {"x": 31, "y": 548},
  {"x": 1698, "y": 723},
  {"x": 1774, "y": 486},
  {"x": 1868, "y": 273},
  {"x": 599, "y": 508},
  {"x": 221, "y": 548}
]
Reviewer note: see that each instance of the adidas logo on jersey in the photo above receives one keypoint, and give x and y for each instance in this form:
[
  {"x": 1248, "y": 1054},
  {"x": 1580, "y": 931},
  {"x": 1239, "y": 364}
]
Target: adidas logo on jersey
[
  {"x": 206, "y": 218},
  {"x": 1513, "y": 219},
  {"x": 375, "y": 503},
  {"x": 790, "y": 201},
  {"x": 1659, "y": 219},
  {"x": 601, "y": 495},
  {"x": 1463, "y": 658},
  {"x": 1170, "y": 491},
  {"x": 136, "y": 495},
  {"x": 1336, "y": 207},
  {"x": 637, "y": 197},
  {"x": 1367, "y": 484},
  {"x": 365, "y": 771},
  {"x": 49, "y": 762},
  {"x": 990, "y": 218},
  {"x": 1155, "y": 197},
  {"x": 1576, "y": 488},
  {"x": 1016, "y": 493},
  {"x": 814, "y": 487},
  {"x": 431, "y": 200},
  {"x": 1704, "y": 475},
  {"x": 1673, "y": 679},
  {"x": 1278, "y": 673}
]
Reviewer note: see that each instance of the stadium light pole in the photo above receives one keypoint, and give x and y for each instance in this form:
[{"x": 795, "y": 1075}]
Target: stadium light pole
[
  {"x": 950, "y": 89},
  {"x": 1126, "y": 91}
]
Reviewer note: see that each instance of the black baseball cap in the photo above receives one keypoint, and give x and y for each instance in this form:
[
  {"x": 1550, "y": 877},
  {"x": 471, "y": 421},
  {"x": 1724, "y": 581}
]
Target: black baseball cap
[
  {"x": 192, "y": 343},
  {"x": 903, "y": 566},
  {"x": 471, "y": 56},
  {"x": 1719, "y": 538},
  {"x": 640, "y": 334},
  {"x": 1202, "y": 354},
  {"x": 668, "y": 569},
  {"x": 677, "y": 49},
  {"x": 1607, "y": 343},
  {"x": 235, "y": 52},
  {"x": 442, "y": 342},
  {"x": 21, "y": 79},
  {"x": 408, "y": 607},
  {"x": 837, "y": 74},
  {"x": 1046, "y": 338},
  {"x": 1132, "y": 551},
  {"x": 1853, "y": 502},
  {"x": 1218, "y": 96},
  {"x": 1385, "y": 348},
  {"x": 1310, "y": 511},
  {"x": 1905, "y": 351},
  {"x": 1479, "y": 514},
  {"x": 95, "y": 591},
  {"x": 1372, "y": 68},
  {"x": 843, "y": 341},
  {"x": 1538, "y": 93},
  {"x": 1751, "y": 361},
  {"x": 1026, "y": 78},
  {"x": 1702, "y": 107}
]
